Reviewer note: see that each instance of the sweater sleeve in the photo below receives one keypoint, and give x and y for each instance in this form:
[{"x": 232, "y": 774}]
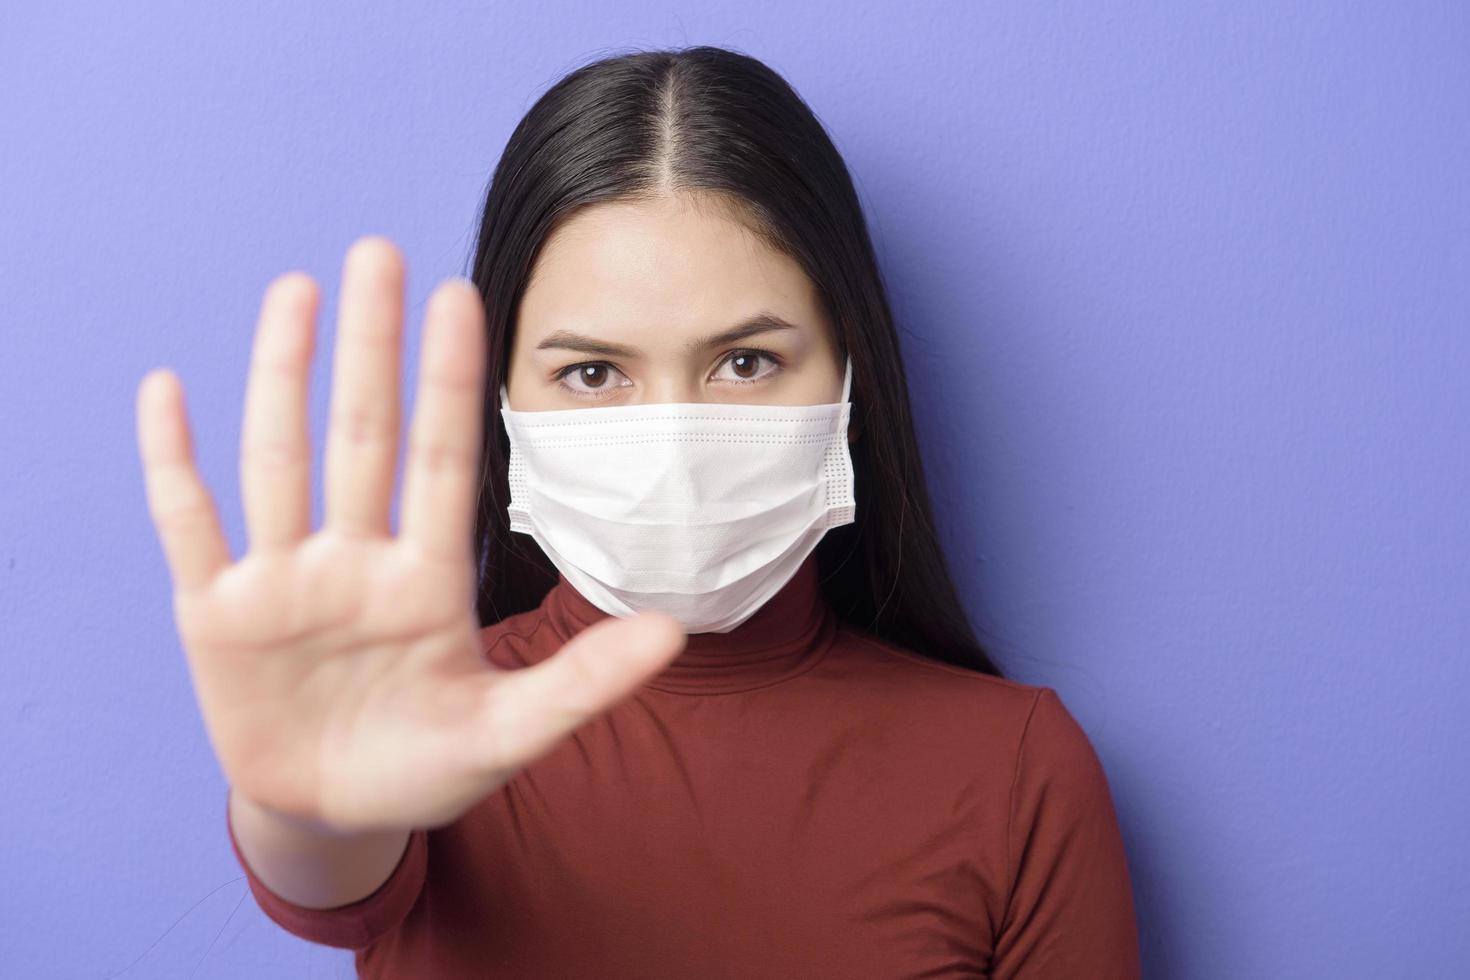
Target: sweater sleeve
[
  {"x": 357, "y": 925},
  {"x": 1069, "y": 911}
]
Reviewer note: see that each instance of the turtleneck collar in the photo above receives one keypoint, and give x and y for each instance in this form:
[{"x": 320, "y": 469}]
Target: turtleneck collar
[{"x": 785, "y": 637}]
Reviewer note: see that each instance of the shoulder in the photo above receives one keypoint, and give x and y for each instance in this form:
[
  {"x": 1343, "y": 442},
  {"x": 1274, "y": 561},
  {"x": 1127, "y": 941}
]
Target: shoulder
[
  {"x": 901, "y": 672},
  {"x": 1026, "y": 727}
]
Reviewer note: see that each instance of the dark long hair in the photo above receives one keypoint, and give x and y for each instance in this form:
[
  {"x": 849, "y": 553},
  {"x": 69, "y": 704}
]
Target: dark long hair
[{"x": 714, "y": 120}]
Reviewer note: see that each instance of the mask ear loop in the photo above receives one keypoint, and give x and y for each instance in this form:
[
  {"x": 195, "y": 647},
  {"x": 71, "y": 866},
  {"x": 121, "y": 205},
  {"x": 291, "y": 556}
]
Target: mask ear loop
[{"x": 504, "y": 397}]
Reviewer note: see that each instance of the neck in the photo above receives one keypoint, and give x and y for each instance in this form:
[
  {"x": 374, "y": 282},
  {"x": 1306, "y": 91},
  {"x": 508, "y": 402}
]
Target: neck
[{"x": 787, "y": 636}]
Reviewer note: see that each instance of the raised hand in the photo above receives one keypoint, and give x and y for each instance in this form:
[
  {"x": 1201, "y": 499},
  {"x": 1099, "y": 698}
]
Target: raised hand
[{"x": 339, "y": 671}]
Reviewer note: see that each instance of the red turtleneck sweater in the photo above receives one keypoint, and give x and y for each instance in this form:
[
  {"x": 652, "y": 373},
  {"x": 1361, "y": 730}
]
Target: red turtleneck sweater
[{"x": 794, "y": 798}]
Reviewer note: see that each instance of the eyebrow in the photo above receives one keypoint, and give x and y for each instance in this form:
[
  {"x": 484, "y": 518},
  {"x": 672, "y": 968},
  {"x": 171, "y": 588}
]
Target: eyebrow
[{"x": 762, "y": 322}]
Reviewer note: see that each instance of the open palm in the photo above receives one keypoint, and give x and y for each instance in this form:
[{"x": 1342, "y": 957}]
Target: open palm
[{"x": 339, "y": 671}]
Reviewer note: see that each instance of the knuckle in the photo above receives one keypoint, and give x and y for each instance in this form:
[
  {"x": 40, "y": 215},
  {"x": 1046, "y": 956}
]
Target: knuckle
[
  {"x": 437, "y": 457},
  {"x": 457, "y": 382},
  {"x": 184, "y": 516},
  {"x": 378, "y": 337},
  {"x": 491, "y": 747},
  {"x": 282, "y": 368},
  {"x": 359, "y": 425},
  {"x": 584, "y": 691},
  {"x": 280, "y": 365},
  {"x": 271, "y": 455}
]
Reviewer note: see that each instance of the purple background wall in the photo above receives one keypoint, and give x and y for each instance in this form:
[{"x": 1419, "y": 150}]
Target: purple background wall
[{"x": 1184, "y": 291}]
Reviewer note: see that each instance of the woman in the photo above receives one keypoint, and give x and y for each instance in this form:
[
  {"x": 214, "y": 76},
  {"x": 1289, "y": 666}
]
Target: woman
[{"x": 720, "y": 712}]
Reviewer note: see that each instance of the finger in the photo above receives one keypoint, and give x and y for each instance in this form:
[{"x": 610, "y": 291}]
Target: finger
[
  {"x": 181, "y": 507},
  {"x": 275, "y": 450},
  {"x": 362, "y": 431},
  {"x": 442, "y": 473},
  {"x": 528, "y": 711}
]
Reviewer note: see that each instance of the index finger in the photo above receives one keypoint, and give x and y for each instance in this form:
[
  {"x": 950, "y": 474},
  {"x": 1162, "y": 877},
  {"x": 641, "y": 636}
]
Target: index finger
[{"x": 442, "y": 472}]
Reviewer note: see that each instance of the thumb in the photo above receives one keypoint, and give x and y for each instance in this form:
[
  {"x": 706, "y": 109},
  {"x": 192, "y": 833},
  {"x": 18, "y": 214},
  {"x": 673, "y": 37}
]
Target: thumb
[{"x": 528, "y": 711}]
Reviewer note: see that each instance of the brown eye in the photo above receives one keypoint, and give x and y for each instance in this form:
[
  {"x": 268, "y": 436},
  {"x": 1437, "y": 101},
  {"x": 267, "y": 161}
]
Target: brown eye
[
  {"x": 590, "y": 379},
  {"x": 745, "y": 367}
]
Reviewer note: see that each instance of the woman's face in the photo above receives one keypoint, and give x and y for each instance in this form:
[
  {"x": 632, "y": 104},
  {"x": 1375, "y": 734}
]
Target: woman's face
[{"x": 669, "y": 300}]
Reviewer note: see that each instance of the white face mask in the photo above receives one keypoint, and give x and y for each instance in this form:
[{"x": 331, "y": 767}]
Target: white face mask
[{"x": 700, "y": 510}]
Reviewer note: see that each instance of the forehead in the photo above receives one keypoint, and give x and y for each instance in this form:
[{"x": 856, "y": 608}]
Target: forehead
[{"x": 675, "y": 265}]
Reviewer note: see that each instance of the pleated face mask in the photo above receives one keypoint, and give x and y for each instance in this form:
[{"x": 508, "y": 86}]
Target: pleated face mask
[{"x": 699, "y": 510}]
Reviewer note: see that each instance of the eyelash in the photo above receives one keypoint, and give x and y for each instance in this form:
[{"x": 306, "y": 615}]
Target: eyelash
[{"x": 560, "y": 376}]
